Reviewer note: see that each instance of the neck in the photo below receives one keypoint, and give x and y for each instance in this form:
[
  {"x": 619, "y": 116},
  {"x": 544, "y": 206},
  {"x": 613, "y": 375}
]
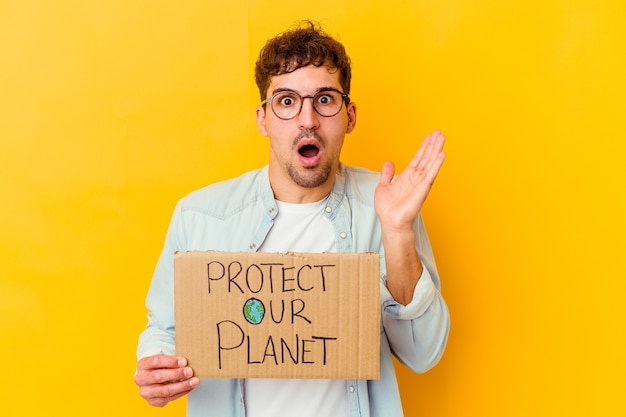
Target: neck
[
  {"x": 288, "y": 191},
  {"x": 300, "y": 195}
]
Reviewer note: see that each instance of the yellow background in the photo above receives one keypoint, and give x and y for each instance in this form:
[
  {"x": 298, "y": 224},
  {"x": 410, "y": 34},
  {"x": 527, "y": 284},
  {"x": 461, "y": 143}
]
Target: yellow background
[{"x": 112, "y": 110}]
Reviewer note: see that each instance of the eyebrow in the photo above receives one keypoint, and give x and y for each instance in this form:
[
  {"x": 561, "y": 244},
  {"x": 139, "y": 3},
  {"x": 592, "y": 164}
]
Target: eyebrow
[{"x": 289, "y": 90}]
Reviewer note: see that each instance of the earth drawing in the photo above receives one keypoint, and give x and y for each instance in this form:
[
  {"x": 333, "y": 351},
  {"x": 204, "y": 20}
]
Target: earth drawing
[{"x": 254, "y": 311}]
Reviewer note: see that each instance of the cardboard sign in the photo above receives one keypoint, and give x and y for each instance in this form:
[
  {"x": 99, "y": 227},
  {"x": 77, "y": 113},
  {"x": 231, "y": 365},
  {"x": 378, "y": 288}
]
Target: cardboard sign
[{"x": 271, "y": 315}]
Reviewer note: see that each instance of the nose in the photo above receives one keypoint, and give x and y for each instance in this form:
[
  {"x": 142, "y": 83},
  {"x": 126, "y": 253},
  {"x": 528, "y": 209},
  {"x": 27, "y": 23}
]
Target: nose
[{"x": 308, "y": 117}]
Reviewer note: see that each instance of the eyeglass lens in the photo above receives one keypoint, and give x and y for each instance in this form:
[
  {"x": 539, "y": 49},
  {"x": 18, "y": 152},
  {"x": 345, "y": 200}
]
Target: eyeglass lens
[{"x": 287, "y": 104}]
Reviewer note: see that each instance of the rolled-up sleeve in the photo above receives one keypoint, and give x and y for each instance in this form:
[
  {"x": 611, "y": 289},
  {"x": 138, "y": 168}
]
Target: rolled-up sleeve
[{"x": 417, "y": 332}]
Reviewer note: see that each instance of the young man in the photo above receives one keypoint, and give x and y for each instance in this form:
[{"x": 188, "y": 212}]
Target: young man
[{"x": 305, "y": 200}]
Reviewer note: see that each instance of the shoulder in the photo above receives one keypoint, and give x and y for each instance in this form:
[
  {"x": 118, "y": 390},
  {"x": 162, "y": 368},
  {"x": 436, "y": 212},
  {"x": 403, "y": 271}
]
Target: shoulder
[
  {"x": 226, "y": 196},
  {"x": 361, "y": 183}
]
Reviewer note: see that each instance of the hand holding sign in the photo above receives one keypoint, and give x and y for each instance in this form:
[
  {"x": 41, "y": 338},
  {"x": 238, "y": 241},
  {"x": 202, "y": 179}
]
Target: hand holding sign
[{"x": 163, "y": 378}]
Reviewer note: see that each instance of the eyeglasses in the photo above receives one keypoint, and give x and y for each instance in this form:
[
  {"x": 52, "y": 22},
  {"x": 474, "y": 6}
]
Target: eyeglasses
[{"x": 287, "y": 104}]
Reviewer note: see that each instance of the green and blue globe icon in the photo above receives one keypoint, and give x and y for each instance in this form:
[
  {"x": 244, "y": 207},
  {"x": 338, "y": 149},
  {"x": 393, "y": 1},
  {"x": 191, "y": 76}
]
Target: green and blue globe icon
[{"x": 254, "y": 311}]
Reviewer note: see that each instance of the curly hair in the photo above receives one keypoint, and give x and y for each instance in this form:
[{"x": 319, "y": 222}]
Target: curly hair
[{"x": 299, "y": 47}]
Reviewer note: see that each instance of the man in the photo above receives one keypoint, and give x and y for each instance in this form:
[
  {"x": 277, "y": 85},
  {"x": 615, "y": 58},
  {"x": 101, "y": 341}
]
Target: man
[{"x": 305, "y": 200}]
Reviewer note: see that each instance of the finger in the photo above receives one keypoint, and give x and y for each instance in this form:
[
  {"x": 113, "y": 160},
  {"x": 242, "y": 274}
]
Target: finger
[
  {"x": 433, "y": 155},
  {"x": 161, "y": 361},
  {"x": 160, "y": 402},
  {"x": 162, "y": 376},
  {"x": 425, "y": 149},
  {"x": 419, "y": 154},
  {"x": 434, "y": 168},
  {"x": 387, "y": 173},
  {"x": 161, "y": 394},
  {"x": 436, "y": 154}
]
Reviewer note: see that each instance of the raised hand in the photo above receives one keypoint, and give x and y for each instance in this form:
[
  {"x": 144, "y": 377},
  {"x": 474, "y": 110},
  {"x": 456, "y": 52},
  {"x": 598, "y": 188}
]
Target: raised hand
[{"x": 399, "y": 202}]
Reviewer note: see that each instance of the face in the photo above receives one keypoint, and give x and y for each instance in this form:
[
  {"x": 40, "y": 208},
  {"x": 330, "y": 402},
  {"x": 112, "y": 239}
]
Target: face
[{"x": 305, "y": 150}]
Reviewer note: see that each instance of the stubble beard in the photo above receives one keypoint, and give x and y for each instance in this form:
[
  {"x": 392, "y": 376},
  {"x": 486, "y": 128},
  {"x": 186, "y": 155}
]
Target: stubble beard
[{"x": 309, "y": 177}]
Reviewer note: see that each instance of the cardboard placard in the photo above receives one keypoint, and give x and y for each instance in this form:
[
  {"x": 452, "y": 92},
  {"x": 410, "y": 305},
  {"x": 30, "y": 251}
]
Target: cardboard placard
[{"x": 273, "y": 315}]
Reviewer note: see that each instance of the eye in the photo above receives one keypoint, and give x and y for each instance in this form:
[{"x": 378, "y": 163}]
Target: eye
[
  {"x": 324, "y": 99},
  {"x": 285, "y": 100}
]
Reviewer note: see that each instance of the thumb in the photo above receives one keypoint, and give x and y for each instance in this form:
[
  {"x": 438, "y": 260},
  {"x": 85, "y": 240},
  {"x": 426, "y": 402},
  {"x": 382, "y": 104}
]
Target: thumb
[{"x": 387, "y": 173}]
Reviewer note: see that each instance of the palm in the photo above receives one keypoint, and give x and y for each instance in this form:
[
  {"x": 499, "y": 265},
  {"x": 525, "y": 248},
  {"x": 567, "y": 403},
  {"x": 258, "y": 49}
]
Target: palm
[{"x": 399, "y": 202}]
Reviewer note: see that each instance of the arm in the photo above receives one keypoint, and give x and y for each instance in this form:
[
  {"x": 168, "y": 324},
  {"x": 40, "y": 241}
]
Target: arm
[
  {"x": 415, "y": 318},
  {"x": 161, "y": 376},
  {"x": 398, "y": 203}
]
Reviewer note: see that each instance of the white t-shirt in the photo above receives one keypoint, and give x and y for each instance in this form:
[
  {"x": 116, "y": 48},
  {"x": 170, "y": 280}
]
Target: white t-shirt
[{"x": 298, "y": 228}]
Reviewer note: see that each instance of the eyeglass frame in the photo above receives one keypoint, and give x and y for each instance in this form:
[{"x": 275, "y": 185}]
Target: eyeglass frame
[{"x": 344, "y": 98}]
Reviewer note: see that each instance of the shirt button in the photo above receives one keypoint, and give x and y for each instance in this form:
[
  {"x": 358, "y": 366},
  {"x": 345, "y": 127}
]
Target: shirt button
[
  {"x": 343, "y": 235},
  {"x": 328, "y": 209},
  {"x": 272, "y": 210},
  {"x": 252, "y": 246},
  {"x": 351, "y": 389}
]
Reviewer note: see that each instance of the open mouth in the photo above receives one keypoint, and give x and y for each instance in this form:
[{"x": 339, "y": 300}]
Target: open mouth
[{"x": 309, "y": 151}]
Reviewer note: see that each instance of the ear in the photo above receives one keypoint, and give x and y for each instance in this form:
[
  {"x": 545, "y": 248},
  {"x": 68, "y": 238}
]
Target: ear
[
  {"x": 260, "y": 120},
  {"x": 351, "y": 117}
]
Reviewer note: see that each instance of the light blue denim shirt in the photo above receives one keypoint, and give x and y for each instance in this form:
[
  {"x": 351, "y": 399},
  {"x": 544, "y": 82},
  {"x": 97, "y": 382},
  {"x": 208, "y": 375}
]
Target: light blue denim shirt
[{"x": 236, "y": 215}]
